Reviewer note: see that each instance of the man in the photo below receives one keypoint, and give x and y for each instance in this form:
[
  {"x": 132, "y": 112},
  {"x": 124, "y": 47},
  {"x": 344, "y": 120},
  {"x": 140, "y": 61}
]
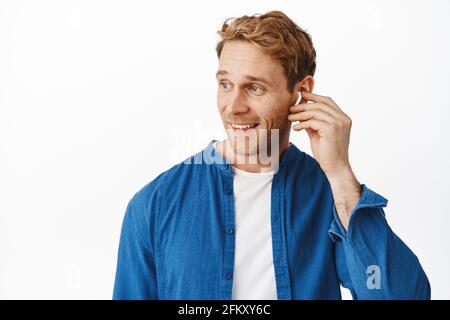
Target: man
[{"x": 233, "y": 223}]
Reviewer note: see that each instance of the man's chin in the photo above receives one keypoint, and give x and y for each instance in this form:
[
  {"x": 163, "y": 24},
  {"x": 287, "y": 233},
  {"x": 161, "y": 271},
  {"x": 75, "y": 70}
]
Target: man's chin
[{"x": 244, "y": 150}]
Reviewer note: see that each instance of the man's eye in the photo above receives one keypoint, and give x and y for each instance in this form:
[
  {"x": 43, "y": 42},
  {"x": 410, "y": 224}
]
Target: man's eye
[
  {"x": 224, "y": 85},
  {"x": 255, "y": 88}
]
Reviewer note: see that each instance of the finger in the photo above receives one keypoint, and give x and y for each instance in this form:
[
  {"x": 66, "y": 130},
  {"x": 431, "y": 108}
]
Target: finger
[
  {"x": 310, "y": 124},
  {"x": 318, "y": 98},
  {"x": 312, "y": 114},
  {"x": 316, "y": 105}
]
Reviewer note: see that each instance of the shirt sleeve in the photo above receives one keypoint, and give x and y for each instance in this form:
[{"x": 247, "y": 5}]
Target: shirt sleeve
[
  {"x": 371, "y": 260},
  {"x": 136, "y": 276}
]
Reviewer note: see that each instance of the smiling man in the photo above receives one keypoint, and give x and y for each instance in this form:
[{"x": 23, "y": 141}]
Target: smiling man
[{"x": 253, "y": 216}]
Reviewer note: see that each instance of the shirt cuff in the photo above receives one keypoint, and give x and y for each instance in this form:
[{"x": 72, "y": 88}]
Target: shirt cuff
[{"x": 368, "y": 199}]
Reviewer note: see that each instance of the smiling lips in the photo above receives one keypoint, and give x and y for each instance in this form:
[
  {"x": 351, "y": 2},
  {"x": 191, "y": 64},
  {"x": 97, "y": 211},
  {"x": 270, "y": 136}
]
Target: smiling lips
[{"x": 243, "y": 126}]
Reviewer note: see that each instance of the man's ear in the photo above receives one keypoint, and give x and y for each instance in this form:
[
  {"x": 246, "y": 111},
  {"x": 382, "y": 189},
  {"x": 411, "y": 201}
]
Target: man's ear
[{"x": 306, "y": 84}]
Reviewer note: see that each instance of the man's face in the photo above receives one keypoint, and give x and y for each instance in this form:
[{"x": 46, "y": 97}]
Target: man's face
[{"x": 252, "y": 90}]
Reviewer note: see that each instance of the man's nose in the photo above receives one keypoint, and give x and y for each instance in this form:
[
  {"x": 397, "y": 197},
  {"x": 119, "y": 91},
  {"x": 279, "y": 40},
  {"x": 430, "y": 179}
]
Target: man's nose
[{"x": 237, "y": 103}]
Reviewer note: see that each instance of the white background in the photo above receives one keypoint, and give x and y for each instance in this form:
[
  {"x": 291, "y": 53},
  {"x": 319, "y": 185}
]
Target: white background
[{"x": 98, "y": 97}]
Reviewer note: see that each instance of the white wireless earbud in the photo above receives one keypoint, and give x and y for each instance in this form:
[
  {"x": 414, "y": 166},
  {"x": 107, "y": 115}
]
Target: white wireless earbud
[{"x": 299, "y": 98}]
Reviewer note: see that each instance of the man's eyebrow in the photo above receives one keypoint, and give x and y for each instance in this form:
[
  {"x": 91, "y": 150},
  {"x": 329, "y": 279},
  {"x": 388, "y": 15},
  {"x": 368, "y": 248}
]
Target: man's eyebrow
[
  {"x": 252, "y": 78},
  {"x": 221, "y": 72},
  {"x": 260, "y": 79}
]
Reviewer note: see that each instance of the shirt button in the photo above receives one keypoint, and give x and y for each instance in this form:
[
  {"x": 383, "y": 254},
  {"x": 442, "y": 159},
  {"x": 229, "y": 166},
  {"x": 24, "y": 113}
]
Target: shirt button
[
  {"x": 227, "y": 189},
  {"x": 228, "y": 276},
  {"x": 230, "y": 231}
]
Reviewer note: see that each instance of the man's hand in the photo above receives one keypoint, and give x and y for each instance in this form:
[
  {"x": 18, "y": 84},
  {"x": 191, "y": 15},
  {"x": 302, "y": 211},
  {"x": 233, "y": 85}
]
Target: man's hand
[{"x": 328, "y": 128}]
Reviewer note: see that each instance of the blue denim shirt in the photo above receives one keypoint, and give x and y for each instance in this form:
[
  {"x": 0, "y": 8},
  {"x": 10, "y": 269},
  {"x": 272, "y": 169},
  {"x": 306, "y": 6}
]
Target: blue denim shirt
[{"x": 177, "y": 239}]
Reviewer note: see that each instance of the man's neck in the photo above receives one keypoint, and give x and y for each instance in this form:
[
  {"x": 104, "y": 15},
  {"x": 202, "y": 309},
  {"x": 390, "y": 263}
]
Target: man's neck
[{"x": 251, "y": 163}]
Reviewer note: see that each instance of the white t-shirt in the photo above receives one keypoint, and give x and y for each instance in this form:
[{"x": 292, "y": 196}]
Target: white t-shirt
[{"x": 254, "y": 273}]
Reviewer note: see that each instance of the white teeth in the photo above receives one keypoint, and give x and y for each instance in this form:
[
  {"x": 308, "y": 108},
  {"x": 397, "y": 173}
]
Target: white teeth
[{"x": 242, "y": 126}]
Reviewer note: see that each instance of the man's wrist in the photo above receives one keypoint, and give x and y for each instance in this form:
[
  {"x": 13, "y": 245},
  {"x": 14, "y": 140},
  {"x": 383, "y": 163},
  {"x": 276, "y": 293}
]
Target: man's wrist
[{"x": 346, "y": 193}]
